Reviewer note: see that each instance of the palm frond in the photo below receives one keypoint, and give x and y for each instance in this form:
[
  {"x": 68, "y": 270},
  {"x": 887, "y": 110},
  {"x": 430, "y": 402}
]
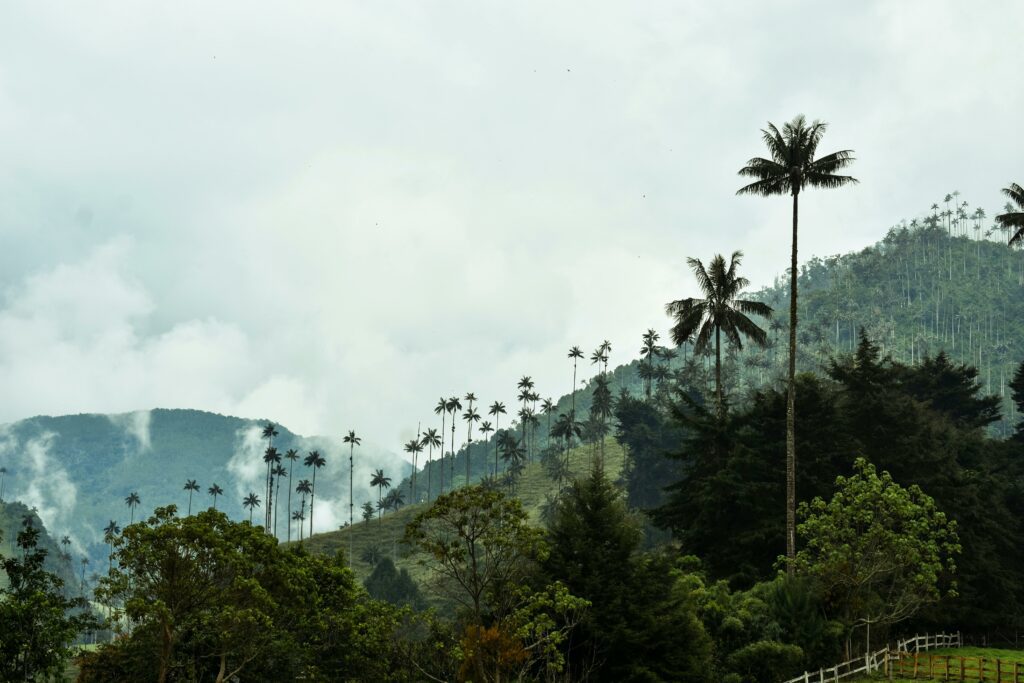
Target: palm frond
[
  {"x": 768, "y": 186},
  {"x": 827, "y": 181},
  {"x": 1016, "y": 193},
  {"x": 830, "y": 163},
  {"x": 753, "y": 308}
]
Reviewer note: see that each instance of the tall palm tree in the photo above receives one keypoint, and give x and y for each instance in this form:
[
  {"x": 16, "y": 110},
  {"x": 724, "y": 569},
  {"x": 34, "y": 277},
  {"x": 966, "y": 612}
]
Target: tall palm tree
[
  {"x": 442, "y": 409},
  {"x": 792, "y": 167},
  {"x": 215, "y": 491},
  {"x": 497, "y": 409},
  {"x": 566, "y": 427},
  {"x": 575, "y": 353},
  {"x": 65, "y": 541},
  {"x": 132, "y": 501},
  {"x": 1013, "y": 220},
  {"x": 110, "y": 532},
  {"x": 316, "y": 461},
  {"x": 649, "y": 349},
  {"x": 548, "y": 406},
  {"x": 413, "y": 448},
  {"x": 271, "y": 457},
  {"x": 251, "y": 502},
  {"x": 192, "y": 487},
  {"x": 268, "y": 433},
  {"x": 381, "y": 482},
  {"x": 606, "y": 349},
  {"x": 485, "y": 429},
  {"x": 3, "y": 476},
  {"x": 718, "y": 311},
  {"x": 298, "y": 517},
  {"x": 279, "y": 473},
  {"x": 352, "y": 440},
  {"x": 305, "y": 488},
  {"x": 431, "y": 440},
  {"x": 454, "y": 405},
  {"x": 470, "y": 416}
]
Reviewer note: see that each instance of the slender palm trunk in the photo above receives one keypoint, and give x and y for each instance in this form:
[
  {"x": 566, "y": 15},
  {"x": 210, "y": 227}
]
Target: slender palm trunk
[
  {"x": 351, "y": 472},
  {"x": 430, "y": 461},
  {"x": 379, "y": 508},
  {"x": 441, "y": 488},
  {"x": 277, "y": 493},
  {"x": 288, "y": 514},
  {"x": 190, "y": 502},
  {"x": 791, "y": 405},
  {"x": 266, "y": 513},
  {"x": 469, "y": 446},
  {"x": 250, "y": 522},
  {"x": 718, "y": 367},
  {"x": 270, "y": 501},
  {"x": 497, "y": 430},
  {"x": 312, "y": 499},
  {"x": 451, "y": 472}
]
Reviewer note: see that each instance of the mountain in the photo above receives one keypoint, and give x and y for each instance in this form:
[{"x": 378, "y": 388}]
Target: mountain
[{"x": 75, "y": 471}]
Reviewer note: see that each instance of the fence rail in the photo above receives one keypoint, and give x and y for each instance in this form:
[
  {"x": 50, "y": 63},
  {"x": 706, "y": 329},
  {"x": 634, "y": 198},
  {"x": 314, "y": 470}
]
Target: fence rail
[
  {"x": 885, "y": 660},
  {"x": 956, "y": 668}
]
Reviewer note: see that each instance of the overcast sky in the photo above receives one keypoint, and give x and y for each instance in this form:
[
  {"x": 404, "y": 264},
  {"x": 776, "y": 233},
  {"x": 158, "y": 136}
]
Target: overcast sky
[{"x": 331, "y": 213}]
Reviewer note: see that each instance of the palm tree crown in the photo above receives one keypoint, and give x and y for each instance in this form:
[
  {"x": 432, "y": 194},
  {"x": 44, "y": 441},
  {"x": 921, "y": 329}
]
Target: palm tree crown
[
  {"x": 719, "y": 311},
  {"x": 1013, "y": 220}
]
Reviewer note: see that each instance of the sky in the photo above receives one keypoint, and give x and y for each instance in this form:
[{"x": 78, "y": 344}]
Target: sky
[{"x": 332, "y": 213}]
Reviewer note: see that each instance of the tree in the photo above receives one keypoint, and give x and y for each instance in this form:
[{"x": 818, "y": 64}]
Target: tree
[
  {"x": 268, "y": 433},
  {"x": 280, "y": 473},
  {"x": 442, "y": 409},
  {"x": 191, "y": 486},
  {"x": 719, "y": 310},
  {"x": 305, "y": 487},
  {"x": 215, "y": 491},
  {"x": 454, "y": 405},
  {"x": 352, "y": 440},
  {"x": 486, "y": 429},
  {"x": 470, "y": 416},
  {"x": 881, "y": 551},
  {"x": 497, "y": 409},
  {"x": 316, "y": 461},
  {"x": 566, "y": 427},
  {"x": 367, "y": 511},
  {"x": 648, "y": 350},
  {"x": 575, "y": 353},
  {"x": 299, "y": 517},
  {"x": 1013, "y": 220},
  {"x": 791, "y": 168},
  {"x": 478, "y": 547},
  {"x": 431, "y": 440},
  {"x": 381, "y": 482},
  {"x": 3, "y": 477},
  {"x": 291, "y": 455},
  {"x": 37, "y": 623},
  {"x": 132, "y": 501},
  {"x": 642, "y": 623},
  {"x": 272, "y": 458},
  {"x": 251, "y": 502}
]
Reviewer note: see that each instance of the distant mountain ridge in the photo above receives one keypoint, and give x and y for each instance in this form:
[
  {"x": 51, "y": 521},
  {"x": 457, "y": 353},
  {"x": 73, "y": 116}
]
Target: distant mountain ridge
[{"x": 76, "y": 470}]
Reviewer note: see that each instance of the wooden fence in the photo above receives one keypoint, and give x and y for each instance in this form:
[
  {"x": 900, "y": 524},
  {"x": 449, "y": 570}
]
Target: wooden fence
[
  {"x": 954, "y": 668},
  {"x": 886, "y": 660}
]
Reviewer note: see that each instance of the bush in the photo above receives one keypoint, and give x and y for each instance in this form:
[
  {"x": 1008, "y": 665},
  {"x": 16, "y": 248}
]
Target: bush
[{"x": 766, "y": 661}]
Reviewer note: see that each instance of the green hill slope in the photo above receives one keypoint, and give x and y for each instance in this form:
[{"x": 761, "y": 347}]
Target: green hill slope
[{"x": 535, "y": 489}]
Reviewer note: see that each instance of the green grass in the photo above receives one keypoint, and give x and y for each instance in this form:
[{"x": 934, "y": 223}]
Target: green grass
[
  {"x": 533, "y": 490},
  {"x": 990, "y": 655}
]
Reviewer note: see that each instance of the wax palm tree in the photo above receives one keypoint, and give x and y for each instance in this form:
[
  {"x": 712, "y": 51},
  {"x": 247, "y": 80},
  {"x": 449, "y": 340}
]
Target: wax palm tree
[
  {"x": 215, "y": 491},
  {"x": 394, "y": 499},
  {"x": 793, "y": 166},
  {"x": 1013, "y": 220},
  {"x": 431, "y": 440},
  {"x": 575, "y": 353},
  {"x": 648, "y": 350},
  {"x": 548, "y": 406},
  {"x": 442, "y": 409},
  {"x": 606, "y": 349},
  {"x": 565, "y": 428},
  {"x": 268, "y": 433},
  {"x": 251, "y": 502},
  {"x": 110, "y": 533},
  {"x": 192, "y": 487},
  {"x": 305, "y": 487},
  {"x": 65, "y": 541},
  {"x": 271, "y": 457},
  {"x": 132, "y": 501},
  {"x": 279, "y": 473},
  {"x": 413, "y": 448},
  {"x": 453, "y": 406},
  {"x": 298, "y": 517},
  {"x": 719, "y": 310},
  {"x": 381, "y": 482},
  {"x": 486, "y": 429},
  {"x": 291, "y": 455},
  {"x": 316, "y": 461},
  {"x": 352, "y": 440},
  {"x": 511, "y": 452},
  {"x": 470, "y": 416}
]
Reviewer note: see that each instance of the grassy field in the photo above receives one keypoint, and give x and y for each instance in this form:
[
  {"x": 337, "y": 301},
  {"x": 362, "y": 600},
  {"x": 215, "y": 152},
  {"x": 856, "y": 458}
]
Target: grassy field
[
  {"x": 972, "y": 653},
  {"x": 533, "y": 490}
]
